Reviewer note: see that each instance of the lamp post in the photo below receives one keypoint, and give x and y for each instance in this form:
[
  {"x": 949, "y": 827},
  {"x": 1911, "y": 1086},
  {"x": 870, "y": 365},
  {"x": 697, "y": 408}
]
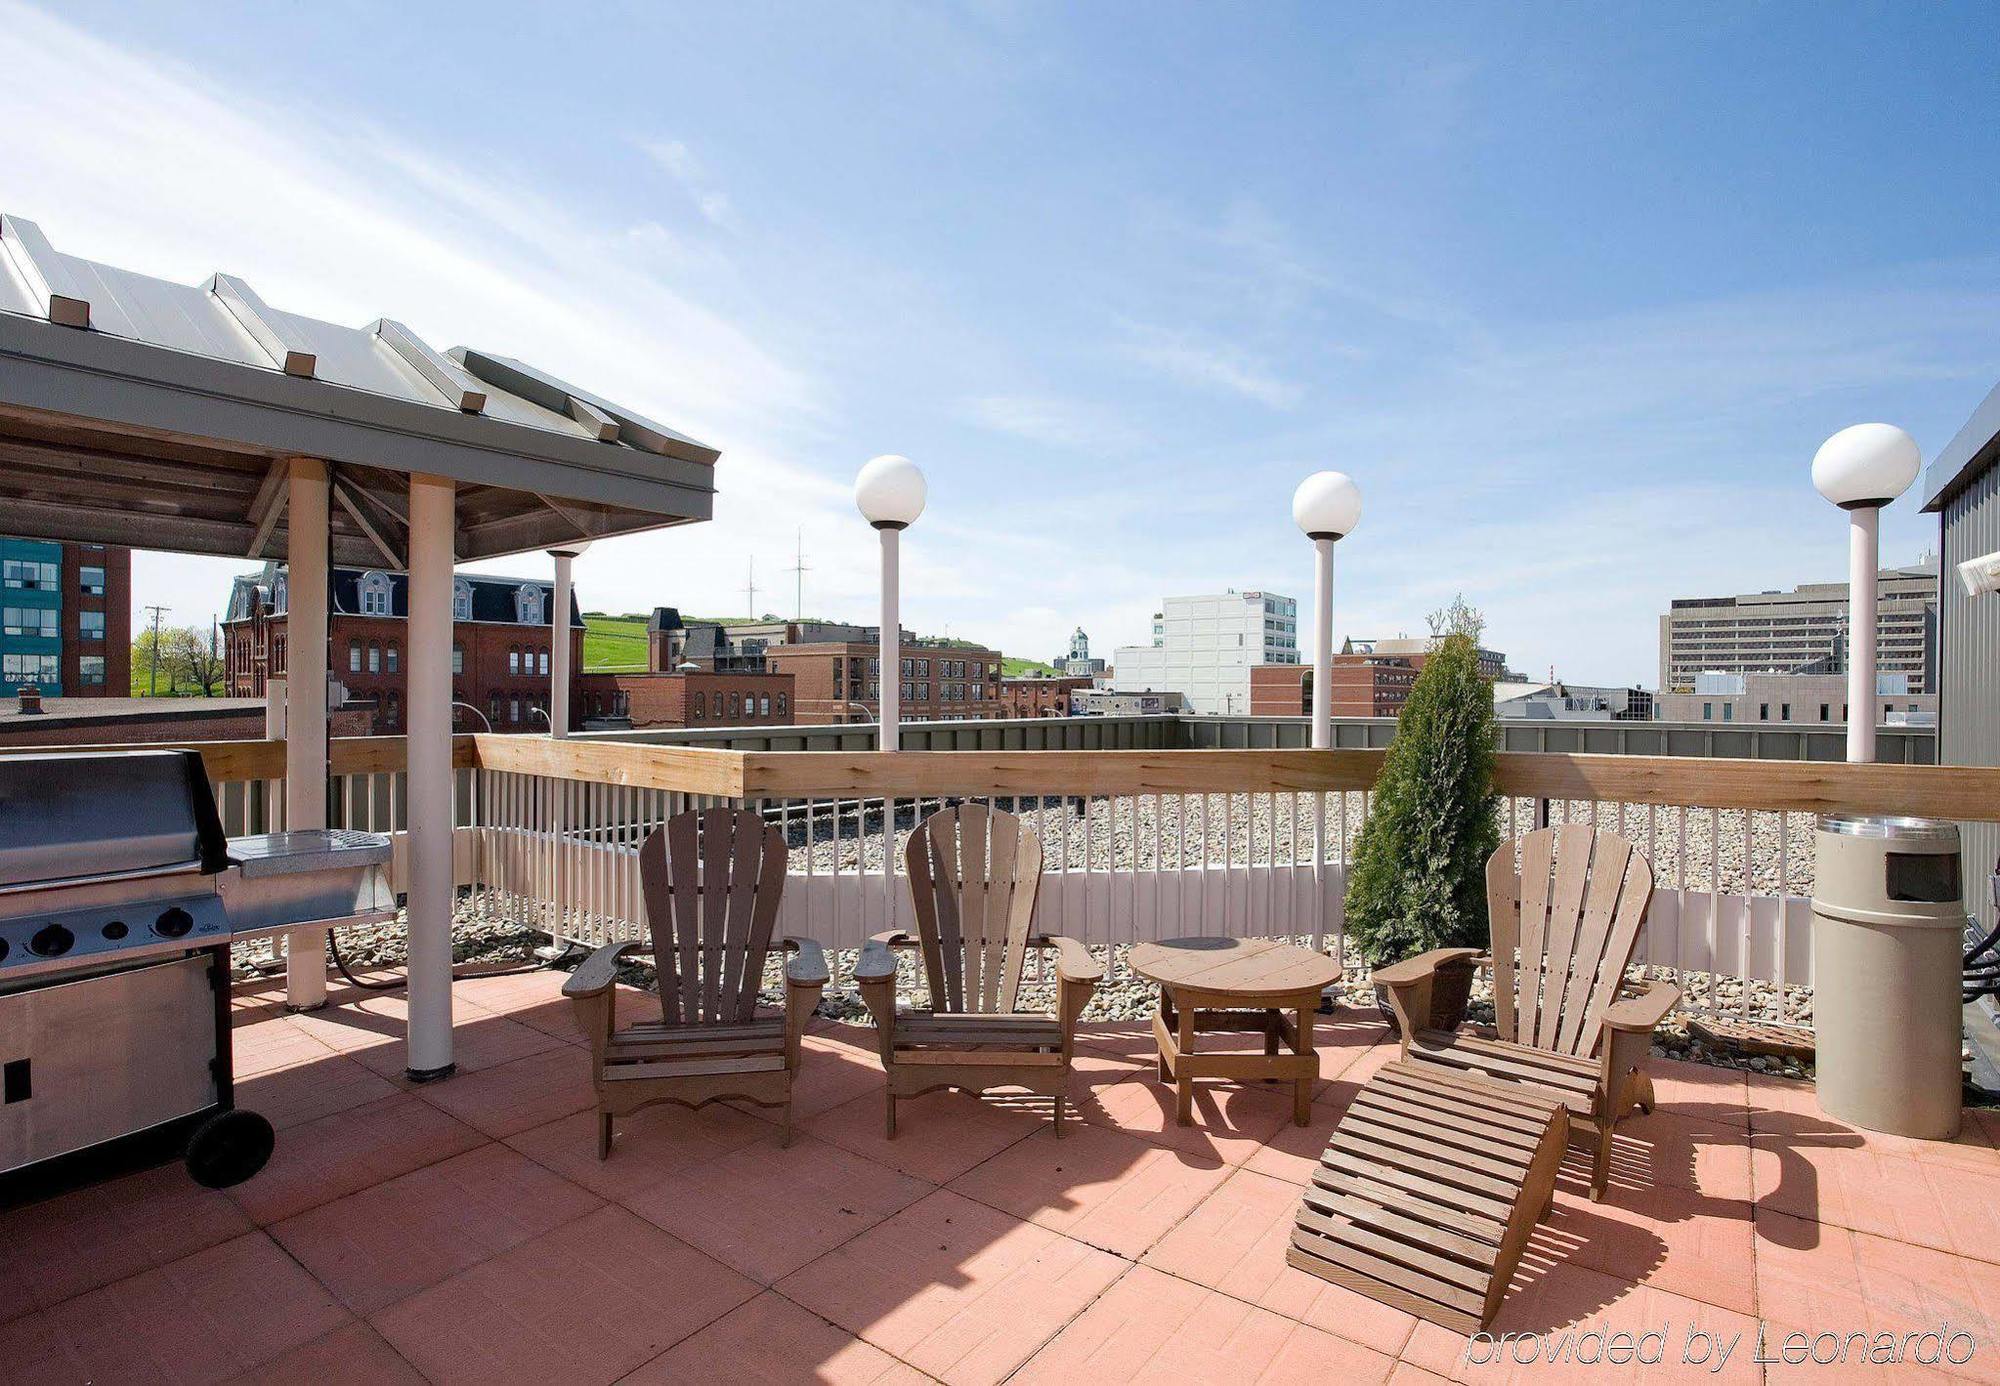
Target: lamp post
[
  {"x": 559, "y": 653},
  {"x": 889, "y": 491},
  {"x": 1861, "y": 469},
  {"x": 1327, "y": 506}
]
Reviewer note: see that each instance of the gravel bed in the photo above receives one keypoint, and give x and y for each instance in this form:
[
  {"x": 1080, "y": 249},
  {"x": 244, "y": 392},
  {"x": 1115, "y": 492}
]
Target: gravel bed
[
  {"x": 479, "y": 936},
  {"x": 1149, "y": 832}
]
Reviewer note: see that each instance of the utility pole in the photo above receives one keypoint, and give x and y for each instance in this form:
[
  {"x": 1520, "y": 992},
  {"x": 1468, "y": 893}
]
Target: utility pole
[
  {"x": 153, "y": 670},
  {"x": 799, "y": 571},
  {"x": 750, "y": 590}
]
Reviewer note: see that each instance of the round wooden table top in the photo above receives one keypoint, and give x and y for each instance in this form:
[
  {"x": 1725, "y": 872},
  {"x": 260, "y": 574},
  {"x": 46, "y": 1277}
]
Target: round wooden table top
[{"x": 1245, "y": 967}]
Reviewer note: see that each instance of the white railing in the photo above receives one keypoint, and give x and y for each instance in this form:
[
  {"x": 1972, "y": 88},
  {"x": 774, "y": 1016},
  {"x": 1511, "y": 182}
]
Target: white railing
[{"x": 561, "y": 856}]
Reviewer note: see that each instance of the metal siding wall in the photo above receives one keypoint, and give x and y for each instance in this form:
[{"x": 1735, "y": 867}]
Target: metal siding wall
[{"x": 1969, "y": 679}]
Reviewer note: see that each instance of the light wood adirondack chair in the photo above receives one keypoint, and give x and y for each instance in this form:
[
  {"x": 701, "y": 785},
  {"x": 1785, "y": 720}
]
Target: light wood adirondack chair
[
  {"x": 974, "y": 873},
  {"x": 712, "y": 881},
  {"x": 1568, "y": 1025}
]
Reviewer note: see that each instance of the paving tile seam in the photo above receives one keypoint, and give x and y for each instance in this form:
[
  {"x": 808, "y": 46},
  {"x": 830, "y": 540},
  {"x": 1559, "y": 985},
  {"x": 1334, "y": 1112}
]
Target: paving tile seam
[{"x": 1063, "y": 1327}]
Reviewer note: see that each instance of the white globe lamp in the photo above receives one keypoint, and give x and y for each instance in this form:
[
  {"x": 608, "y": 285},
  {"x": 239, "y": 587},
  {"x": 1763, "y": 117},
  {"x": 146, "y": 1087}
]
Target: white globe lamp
[
  {"x": 1326, "y": 507},
  {"x": 889, "y": 491},
  {"x": 1868, "y": 465},
  {"x": 1861, "y": 469},
  {"x": 1327, "y": 504}
]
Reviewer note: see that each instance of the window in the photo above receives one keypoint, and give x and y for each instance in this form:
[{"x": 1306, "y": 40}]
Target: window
[
  {"x": 1822, "y": 712},
  {"x": 514, "y": 708},
  {"x": 781, "y": 705},
  {"x": 530, "y": 604},
  {"x": 715, "y": 702},
  {"x": 374, "y": 593},
  {"x": 1763, "y": 712},
  {"x": 392, "y": 710},
  {"x": 764, "y": 706},
  {"x": 28, "y": 668},
  {"x": 493, "y": 707},
  {"x": 458, "y": 659},
  {"x": 90, "y": 668},
  {"x": 354, "y": 656},
  {"x": 735, "y": 704},
  {"x": 90, "y": 625},
  {"x": 461, "y": 600},
  {"x": 1708, "y": 712},
  {"x": 513, "y": 659},
  {"x": 393, "y": 661},
  {"x": 91, "y": 580},
  {"x": 699, "y": 706},
  {"x": 29, "y": 575},
  {"x": 374, "y": 657},
  {"x": 1784, "y": 712},
  {"x": 33, "y": 620},
  {"x": 545, "y": 661},
  {"x": 1729, "y": 712}
]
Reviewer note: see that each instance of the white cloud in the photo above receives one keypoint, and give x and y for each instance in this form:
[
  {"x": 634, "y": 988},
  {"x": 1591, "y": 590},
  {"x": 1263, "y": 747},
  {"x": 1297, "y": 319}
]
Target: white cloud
[
  {"x": 1197, "y": 360},
  {"x": 1056, "y": 423},
  {"x": 679, "y": 163}
]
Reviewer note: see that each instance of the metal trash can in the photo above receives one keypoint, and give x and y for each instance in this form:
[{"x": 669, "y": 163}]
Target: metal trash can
[{"x": 1888, "y": 917}]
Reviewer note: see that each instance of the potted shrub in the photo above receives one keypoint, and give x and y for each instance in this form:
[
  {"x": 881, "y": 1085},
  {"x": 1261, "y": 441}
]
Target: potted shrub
[{"x": 1419, "y": 871}]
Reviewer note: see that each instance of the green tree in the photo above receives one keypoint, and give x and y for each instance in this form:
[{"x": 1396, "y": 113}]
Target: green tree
[{"x": 1419, "y": 877}]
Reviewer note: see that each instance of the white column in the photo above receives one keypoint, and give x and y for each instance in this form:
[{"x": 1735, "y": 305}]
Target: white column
[
  {"x": 1322, "y": 713},
  {"x": 305, "y": 690},
  {"x": 433, "y": 523},
  {"x": 559, "y": 671},
  {"x": 892, "y": 640},
  {"x": 1864, "y": 543}
]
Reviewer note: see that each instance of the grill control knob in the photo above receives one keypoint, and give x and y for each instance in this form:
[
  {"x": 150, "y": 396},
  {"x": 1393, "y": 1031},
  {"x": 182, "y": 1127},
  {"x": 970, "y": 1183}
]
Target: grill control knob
[
  {"x": 115, "y": 930},
  {"x": 173, "y": 923},
  {"x": 3, "y": 950},
  {"x": 51, "y": 941}
]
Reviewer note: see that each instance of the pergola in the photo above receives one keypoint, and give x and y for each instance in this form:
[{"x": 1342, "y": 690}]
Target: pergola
[{"x": 199, "y": 419}]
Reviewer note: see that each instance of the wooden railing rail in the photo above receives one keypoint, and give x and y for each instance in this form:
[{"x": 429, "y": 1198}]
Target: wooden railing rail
[{"x": 1963, "y": 793}]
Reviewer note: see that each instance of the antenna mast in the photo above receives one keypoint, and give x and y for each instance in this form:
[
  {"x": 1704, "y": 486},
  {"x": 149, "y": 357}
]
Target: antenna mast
[{"x": 799, "y": 571}]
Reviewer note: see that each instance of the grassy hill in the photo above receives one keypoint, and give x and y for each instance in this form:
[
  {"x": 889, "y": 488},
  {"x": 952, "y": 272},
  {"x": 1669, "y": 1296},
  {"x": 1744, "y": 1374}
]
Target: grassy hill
[
  {"x": 613, "y": 643},
  {"x": 618, "y": 643}
]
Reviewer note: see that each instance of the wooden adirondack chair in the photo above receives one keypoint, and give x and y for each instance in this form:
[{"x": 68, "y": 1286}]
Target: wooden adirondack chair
[
  {"x": 1568, "y": 1025},
  {"x": 974, "y": 873},
  {"x": 712, "y": 881}
]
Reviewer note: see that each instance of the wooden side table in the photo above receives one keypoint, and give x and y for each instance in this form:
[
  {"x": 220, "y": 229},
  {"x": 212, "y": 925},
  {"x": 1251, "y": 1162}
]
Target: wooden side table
[{"x": 1237, "y": 984}]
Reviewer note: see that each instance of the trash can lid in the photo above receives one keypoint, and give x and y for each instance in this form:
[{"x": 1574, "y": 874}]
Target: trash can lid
[{"x": 1899, "y": 829}]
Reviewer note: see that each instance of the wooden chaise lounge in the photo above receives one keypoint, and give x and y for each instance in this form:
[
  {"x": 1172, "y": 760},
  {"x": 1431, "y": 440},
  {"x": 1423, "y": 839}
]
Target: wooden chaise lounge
[{"x": 1438, "y": 1172}]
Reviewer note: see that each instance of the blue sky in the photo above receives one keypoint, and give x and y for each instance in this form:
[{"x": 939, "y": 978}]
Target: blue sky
[{"x": 1573, "y": 292}]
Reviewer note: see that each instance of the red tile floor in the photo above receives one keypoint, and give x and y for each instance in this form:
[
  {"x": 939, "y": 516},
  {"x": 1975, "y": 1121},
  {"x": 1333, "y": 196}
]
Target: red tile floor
[{"x": 465, "y": 1231}]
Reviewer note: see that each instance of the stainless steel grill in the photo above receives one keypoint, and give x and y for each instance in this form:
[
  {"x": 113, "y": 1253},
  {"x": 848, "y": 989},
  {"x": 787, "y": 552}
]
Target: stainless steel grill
[{"x": 119, "y": 897}]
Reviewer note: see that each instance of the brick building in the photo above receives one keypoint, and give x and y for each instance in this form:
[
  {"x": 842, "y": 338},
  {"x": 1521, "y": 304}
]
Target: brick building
[
  {"x": 702, "y": 698},
  {"x": 838, "y": 681},
  {"x": 501, "y": 639},
  {"x": 68, "y": 618},
  {"x": 1039, "y": 695}
]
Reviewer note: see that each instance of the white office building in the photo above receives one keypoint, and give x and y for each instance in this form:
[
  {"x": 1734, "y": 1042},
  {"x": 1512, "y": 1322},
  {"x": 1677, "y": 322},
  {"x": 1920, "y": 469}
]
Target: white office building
[{"x": 1203, "y": 648}]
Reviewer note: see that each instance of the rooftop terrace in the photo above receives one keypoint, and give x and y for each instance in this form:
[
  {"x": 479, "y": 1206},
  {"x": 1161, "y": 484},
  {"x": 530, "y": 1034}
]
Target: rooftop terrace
[{"x": 466, "y": 1231}]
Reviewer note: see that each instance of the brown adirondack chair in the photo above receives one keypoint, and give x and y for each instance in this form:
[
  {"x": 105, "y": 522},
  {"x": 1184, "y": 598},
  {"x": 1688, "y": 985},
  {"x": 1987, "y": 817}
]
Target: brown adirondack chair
[
  {"x": 974, "y": 873},
  {"x": 1568, "y": 1025},
  {"x": 712, "y": 881}
]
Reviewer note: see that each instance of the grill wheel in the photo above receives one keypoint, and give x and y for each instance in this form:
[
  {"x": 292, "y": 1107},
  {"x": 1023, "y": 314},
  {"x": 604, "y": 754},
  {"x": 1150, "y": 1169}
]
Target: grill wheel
[{"x": 228, "y": 1148}]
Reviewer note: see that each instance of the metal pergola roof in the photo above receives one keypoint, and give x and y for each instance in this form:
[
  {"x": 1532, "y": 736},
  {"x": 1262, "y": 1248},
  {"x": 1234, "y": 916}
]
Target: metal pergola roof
[{"x": 138, "y": 411}]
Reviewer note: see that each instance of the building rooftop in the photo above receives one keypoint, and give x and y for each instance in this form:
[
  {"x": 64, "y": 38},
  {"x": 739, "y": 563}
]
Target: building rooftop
[
  {"x": 466, "y": 1228},
  {"x": 57, "y": 711}
]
